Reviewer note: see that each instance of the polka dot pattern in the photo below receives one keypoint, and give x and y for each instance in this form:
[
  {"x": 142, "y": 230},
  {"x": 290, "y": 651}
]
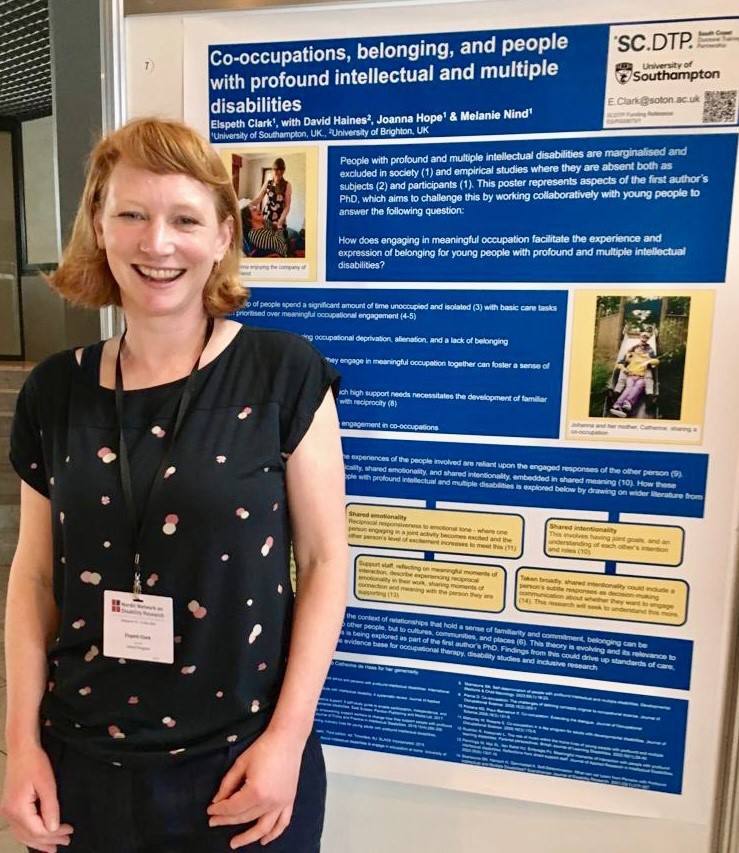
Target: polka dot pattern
[
  {"x": 171, "y": 521},
  {"x": 197, "y": 610},
  {"x": 216, "y": 544},
  {"x": 267, "y": 547}
]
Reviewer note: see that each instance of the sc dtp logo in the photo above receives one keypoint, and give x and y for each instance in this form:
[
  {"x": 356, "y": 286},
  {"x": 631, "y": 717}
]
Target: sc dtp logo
[
  {"x": 623, "y": 72},
  {"x": 673, "y": 40},
  {"x": 115, "y": 605}
]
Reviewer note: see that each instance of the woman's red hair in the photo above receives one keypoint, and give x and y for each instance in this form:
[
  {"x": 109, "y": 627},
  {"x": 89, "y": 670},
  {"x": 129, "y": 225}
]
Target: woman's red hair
[{"x": 163, "y": 147}]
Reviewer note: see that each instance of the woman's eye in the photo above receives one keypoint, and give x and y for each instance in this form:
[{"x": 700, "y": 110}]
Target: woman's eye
[
  {"x": 187, "y": 221},
  {"x": 130, "y": 214}
]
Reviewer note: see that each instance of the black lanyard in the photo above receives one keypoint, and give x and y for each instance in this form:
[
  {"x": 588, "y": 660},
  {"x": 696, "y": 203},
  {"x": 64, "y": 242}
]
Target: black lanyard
[{"x": 183, "y": 405}]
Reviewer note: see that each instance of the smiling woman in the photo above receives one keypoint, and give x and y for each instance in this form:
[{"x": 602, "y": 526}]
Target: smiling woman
[
  {"x": 153, "y": 149},
  {"x": 160, "y": 234},
  {"x": 166, "y": 476}
]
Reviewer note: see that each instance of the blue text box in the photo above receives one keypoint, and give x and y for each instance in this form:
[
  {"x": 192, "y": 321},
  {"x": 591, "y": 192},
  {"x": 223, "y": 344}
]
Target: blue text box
[
  {"x": 599, "y": 655},
  {"x": 465, "y": 362},
  {"x": 610, "y": 209},
  {"x": 486, "y": 81},
  {"x": 598, "y": 736},
  {"x": 528, "y": 476}
]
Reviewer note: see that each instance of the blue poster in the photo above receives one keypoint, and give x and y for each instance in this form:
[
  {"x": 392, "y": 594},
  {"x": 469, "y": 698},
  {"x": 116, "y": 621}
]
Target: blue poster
[{"x": 514, "y": 244}]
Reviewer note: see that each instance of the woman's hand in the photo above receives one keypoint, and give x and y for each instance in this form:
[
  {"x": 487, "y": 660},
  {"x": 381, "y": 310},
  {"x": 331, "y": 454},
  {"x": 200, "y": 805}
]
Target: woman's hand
[
  {"x": 261, "y": 787},
  {"x": 30, "y": 803}
]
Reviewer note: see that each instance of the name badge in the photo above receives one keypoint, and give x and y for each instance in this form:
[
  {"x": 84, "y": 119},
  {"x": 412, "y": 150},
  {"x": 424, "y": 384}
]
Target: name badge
[{"x": 138, "y": 627}]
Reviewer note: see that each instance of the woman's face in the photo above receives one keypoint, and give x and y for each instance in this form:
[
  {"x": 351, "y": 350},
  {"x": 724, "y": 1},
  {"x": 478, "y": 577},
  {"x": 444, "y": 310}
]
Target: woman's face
[
  {"x": 278, "y": 173},
  {"x": 161, "y": 236}
]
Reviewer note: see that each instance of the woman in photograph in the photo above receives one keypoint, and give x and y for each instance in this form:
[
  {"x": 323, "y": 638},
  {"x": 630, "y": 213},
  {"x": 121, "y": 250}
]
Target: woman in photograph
[
  {"x": 278, "y": 194},
  {"x": 636, "y": 367},
  {"x": 259, "y": 235},
  {"x": 162, "y": 677}
]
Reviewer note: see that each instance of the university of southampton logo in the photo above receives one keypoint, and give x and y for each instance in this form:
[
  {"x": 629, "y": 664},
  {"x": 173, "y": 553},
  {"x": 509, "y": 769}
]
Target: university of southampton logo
[
  {"x": 624, "y": 71},
  {"x": 115, "y": 605}
]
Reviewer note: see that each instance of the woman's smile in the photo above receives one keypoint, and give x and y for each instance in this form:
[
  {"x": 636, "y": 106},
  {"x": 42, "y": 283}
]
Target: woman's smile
[{"x": 163, "y": 275}]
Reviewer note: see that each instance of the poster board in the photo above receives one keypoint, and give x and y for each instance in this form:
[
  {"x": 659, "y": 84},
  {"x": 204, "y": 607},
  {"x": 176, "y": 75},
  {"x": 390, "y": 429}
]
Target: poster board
[{"x": 648, "y": 545}]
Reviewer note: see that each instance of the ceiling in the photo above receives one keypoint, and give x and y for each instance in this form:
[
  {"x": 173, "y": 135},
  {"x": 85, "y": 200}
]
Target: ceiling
[{"x": 25, "y": 59}]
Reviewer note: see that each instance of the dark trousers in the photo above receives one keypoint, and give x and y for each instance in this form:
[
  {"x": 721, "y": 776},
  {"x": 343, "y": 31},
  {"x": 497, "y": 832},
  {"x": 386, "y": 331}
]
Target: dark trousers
[{"x": 163, "y": 810}]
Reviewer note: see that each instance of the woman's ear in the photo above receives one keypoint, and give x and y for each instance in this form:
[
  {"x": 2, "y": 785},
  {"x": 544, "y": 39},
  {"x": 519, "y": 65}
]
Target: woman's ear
[
  {"x": 225, "y": 236},
  {"x": 98, "y": 227}
]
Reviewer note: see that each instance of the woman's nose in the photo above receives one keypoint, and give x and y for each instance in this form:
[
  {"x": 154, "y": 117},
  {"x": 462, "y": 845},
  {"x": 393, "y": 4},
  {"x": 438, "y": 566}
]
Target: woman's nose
[{"x": 157, "y": 238}]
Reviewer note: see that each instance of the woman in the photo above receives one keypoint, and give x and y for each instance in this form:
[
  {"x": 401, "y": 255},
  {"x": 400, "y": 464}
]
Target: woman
[
  {"x": 636, "y": 367},
  {"x": 258, "y": 235},
  {"x": 267, "y": 228},
  {"x": 161, "y": 685},
  {"x": 278, "y": 193}
]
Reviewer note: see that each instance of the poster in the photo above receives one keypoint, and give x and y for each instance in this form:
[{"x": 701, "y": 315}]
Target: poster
[{"x": 514, "y": 240}]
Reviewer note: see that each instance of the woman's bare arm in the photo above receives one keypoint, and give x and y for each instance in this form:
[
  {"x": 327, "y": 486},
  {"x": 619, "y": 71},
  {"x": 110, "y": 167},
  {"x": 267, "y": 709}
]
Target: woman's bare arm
[
  {"x": 257, "y": 200},
  {"x": 288, "y": 201},
  {"x": 31, "y": 623}
]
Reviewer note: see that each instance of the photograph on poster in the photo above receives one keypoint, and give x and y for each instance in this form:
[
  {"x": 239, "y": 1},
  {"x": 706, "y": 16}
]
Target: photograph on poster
[
  {"x": 647, "y": 357},
  {"x": 277, "y": 202},
  {"x": 639, "y": 357}
]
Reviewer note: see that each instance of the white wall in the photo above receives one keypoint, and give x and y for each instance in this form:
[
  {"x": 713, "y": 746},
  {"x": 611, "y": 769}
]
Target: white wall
[
  {"x": 370, "y": 816},
  {"x": 41, "y": 198}
]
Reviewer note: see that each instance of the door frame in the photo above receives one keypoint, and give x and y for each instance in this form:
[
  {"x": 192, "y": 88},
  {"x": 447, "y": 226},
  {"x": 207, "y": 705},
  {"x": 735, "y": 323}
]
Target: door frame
[{"x": 13, "y": 127}]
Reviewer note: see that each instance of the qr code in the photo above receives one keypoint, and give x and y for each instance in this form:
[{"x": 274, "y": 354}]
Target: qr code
[{"x": 719, "y": 107}]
